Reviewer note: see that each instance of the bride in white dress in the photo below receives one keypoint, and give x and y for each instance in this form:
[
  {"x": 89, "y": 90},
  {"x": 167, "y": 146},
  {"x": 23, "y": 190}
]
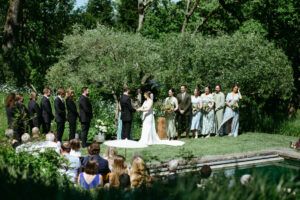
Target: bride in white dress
[{"x": 149, "y": 135}]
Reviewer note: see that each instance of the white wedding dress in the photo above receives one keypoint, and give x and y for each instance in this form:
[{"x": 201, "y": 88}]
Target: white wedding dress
[{"x": 149, "y": 135}]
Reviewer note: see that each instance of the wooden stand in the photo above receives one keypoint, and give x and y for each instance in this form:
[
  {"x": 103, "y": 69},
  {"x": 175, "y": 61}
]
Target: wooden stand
[{"x": 161, "y": 127}]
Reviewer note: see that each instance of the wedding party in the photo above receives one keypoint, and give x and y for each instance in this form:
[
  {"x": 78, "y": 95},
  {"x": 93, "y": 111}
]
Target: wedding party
[{"x": 201, "y": 115}]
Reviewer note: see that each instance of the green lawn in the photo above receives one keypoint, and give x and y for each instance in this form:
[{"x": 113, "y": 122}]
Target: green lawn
[{"x": 210, "y": 146}]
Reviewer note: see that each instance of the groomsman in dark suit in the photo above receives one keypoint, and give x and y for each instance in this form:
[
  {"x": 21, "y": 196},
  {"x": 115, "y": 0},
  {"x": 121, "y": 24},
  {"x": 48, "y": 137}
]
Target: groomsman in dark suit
[
  {"x": 60, "y": 113},
  {"x": 47, "y": 115},
  {"x": 85, "y": 114},
  {"x": 72, "y": 113},
  {"x": 126, "y": 113},
  {"x": 34, "y": 111},
  {"x": 184, "y": 112}
]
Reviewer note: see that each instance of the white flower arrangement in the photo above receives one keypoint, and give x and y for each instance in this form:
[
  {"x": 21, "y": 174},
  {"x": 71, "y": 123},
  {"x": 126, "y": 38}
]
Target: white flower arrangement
[{"x": 101, "y": 126}]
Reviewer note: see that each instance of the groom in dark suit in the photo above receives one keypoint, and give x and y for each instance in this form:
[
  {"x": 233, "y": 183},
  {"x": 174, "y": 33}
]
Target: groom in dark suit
[
  {"x": 126, "y": 113},
  {"x": 85, "y": 114},
  {"x": 184, "y": 112},
  {"x": 60, "y": 113}
]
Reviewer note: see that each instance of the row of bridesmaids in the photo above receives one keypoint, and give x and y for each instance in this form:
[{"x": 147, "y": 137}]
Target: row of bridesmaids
[{"x": 205, "y": 114}]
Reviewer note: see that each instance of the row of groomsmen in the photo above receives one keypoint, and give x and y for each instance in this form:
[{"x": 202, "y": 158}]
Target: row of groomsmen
[{"x": 41, "y": 114}]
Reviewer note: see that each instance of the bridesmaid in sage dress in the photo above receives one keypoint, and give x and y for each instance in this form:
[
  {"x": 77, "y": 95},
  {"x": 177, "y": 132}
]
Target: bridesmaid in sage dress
[
  {"x": 196, "y": 113},
  {"x": 208, "y": 121},
  {"x": 170, "y": 117},
  {"x": 230, "y": 124}
]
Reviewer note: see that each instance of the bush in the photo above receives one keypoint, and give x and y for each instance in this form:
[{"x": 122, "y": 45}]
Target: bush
[
  {"x": 28, "y": 166},
  {"x": 290, "y": 127}
]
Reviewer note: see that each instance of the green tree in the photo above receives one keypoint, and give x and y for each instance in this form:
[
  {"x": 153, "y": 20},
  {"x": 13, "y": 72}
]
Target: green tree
[
  {"x": 127, "y": 18},
  {"x": 42, "y": 27},
  {"x": 101, "y": 10},
  {"x": 105, "y": 59}
]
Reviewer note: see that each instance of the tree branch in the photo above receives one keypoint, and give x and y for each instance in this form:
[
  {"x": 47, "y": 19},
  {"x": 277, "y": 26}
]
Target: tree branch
[{"x": 206, "y": 18}]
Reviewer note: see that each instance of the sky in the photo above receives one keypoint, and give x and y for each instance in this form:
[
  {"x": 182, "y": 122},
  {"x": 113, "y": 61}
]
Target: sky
[{"x": 80, "y": 3}]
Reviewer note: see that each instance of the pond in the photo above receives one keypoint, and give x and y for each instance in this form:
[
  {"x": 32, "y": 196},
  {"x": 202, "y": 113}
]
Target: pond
[{"x": 272, "y": 172}]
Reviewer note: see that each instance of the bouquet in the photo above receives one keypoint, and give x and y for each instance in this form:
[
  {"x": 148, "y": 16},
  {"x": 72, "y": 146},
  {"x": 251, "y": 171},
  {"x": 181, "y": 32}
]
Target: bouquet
[
  {"x": 101, "y": 126},
  {"x": 168, "y": 107},
  {"x": 206, "y": 108},
  {"x": 235, "y": 105},
  {"x": 196, "y": 108}
]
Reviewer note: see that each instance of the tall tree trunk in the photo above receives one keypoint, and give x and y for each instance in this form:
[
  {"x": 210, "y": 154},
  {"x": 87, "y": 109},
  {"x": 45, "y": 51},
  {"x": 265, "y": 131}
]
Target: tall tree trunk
[
  {"x": 142, "y": 8},
  {"x": 188, "y": 14},
  {"x": 12, "y": 23},
  {"x": 141, "y": 11}
]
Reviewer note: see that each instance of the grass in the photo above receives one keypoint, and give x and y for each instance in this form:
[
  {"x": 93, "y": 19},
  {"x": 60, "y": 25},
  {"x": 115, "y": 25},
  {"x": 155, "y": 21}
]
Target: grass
[{"x": 210, "y": 146}]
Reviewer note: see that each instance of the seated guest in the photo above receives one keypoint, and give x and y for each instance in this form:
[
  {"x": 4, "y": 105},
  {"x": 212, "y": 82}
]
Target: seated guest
[
  {"x": 295, "y": 145},
  {"x": 138, "y": 174},
  {"x": 124, "y": 181},
  {"x": 93, "y": 151},
  {"x": 90, "y": 178},
  {"x": 35, "y": 133},
  {"x": 205, "y": 172},
  {"x": 119, "y": 167},
  {"x": 75, "y": 147},
  {"x": 245, "y": 179},
  {"x": 9, "y": 133},
  {"x": 15, "y": 143},
  {"x": 74, "y": 163},
  {"x": 172, "y": 167},
  {"x": 25, "y": 138},
  {"x": 110, "y": 154},
  {"x": 41, "y": 146}
]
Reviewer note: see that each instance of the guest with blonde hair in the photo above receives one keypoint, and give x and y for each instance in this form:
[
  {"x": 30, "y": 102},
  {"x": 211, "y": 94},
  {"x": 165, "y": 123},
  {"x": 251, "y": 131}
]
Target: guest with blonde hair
[
  {"x": 138, "y": 173},
  {"x": 72, "y": 113},
  {"x": 110, "y": 154},
  {"x": 119, "y": 167}
]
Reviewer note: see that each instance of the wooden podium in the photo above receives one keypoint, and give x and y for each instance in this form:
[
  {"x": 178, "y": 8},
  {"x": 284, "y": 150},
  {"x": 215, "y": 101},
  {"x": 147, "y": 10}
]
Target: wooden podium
[{"x": 161, "y": 127}]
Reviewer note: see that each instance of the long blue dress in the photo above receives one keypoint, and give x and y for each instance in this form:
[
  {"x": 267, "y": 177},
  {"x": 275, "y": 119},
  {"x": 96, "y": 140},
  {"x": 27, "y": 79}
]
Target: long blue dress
[
  {"x": 195, "y": 118},
  {"x": 230, "y": 114},
  {"x": 119, "y": 133}
]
